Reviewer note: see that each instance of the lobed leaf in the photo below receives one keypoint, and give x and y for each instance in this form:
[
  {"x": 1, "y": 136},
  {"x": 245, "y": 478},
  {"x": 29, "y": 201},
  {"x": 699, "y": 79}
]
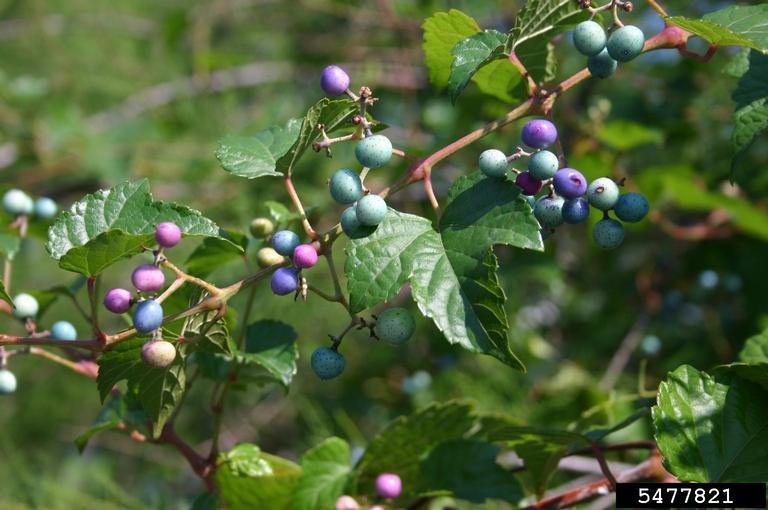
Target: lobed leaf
[{"x": 326, "y": 471}]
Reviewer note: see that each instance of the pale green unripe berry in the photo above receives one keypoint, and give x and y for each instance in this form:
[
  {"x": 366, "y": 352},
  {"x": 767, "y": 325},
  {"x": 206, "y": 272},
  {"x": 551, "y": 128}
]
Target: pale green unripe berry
[
  {"x": 17, "y": 202},
  {"x": 395, "y": 325},
  {"x": 267, "y": 256},
  {"x": 603, "y": 193},
  {"x": 46, "y": 208},
  {"x": 7, "y": 382},
  {"x": 261, "y": 227},
  {"x": 589, "y": 38},
  {"x": 25, "y": 306}
]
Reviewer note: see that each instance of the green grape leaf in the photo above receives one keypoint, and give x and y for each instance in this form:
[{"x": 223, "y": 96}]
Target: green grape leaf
[
  {"x": 119, "y": 410},
  {"x": 159, "y": 390},
  {"x": 128, "y": 208},
  {"x": 712, "y": 428},
  {"x": 257, "y": 155},
  {"x": 213, "y": 253},
  {"x": 538, "y": 57},
  {"x": 215, "y": 338},
  {"x": 442, "y": 32},
  {"x": 467, "y": 469},
  {"x": 406, "y": 440},
  {"x": 247, "y": 478},
  {"x": 737, "y": 25},
  {"x": 452, "y": 272},
  {"x": 471, "y": 54},
  {"x": 755, "y": 349},
  {"x": 325, "y": 474},
  {"x": 751, "y": 96},
  {"x": 756, "y": 372},
  {"x": 502, "y": 80},
  {"x": 272, "y": 345}
]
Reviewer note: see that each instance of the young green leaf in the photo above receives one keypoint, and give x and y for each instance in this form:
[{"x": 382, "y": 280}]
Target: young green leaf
[
  {"x": 737, "y": 25},
  {"x": 272, "y": 344},
  {"x": 471, "y": 54},
  {"x": 257, "y": 155},
  {"x": 118, "y": 411},
  {"x": 442, "y": 31},
  {"x": 325, "y": 474}
]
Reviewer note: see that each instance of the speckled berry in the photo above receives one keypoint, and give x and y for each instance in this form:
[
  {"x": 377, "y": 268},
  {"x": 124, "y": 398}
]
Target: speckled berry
[
  {"x": 539, "y": 133},
  {"x": 543, "y": 165},
  {"x": 569, "y": 183},
  {"x": 261, "y": 227},
  {"x": 601, "y": 65},
  {"x": 267, "y": 256},
  {"x": 284, "y": 281},
  {"x": 575, "y": 210},
  {"x": 63, "y": 330},
  {"x": 345, "y": 186},
  {"x": 589, "y": 38},
  {"x": 388, "y": 486},
  {"x": 334, "y": 81},
  {"x": 528, "y": 184},
  {"x": 45, "y": 208},
  {"x": 304, "y": 256},
  {"x": 631, "y": 207},
  {"x": 608, "y": 233},
  {"x": 158, "y": 353},
  {"x": 493, "y": 163},
  {"x": 625, "y": 43},
  {"x": 395, "y": 325},
  {"x": 17, "y": 202},
  {"x": 167, "y": 234},
  {"x": 118, "y": 300},
  {"x": 148, "y": 316},
  {"x": 374, "y": 151},
  {"x": 352, "y": 227},
  {"x": 603, "y": 193},
  {"x": 25, "y": 306},
  {"x": 327, "y": 363},
  {"x": 148, "y": 278},
  {"x": 284, "y": 242},
  {"x": 371, "y": 210},
  {"x": 549, "y": 211},
  {"x": 7, "y": 382}
]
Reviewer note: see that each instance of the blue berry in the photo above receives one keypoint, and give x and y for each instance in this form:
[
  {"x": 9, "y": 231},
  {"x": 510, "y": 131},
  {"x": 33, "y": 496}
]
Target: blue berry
[
  {"x": 543, "y": 165},
  {"x": 589, "y": 38},
  {"x": 7, "y": 382},
  {"x": 395, "y": 325},
  {"x": 327, "y": 363},
  {"x": 334, "y": 81},
  {"x": 539, "y": 133},
  {"x": 569, "y": 183},
  {"x": 284, "y": 281},
  {"x": 625, "y": 43},
  {"x": 25, "y": 306},
  {"x": 63, "y": 330},
  {"x": 17, "y": 202},
  {"x": 631, "y": 207},
  {"x": 374, "y": 151},
  {"x": 601, "y": 65},
  {"x": 352, "y": 227},
  {"x": 371, "y": 210},
  {"x": 345, "y": 186},
  {"x": 575, "y": 210},
  {"x": 45, "y": 208},
  {"x": 549, "y": 211},
  {"x": 603, "y": 193},
  {"x": 148, "y": 316},
  {"x": 608, "y": 233},
  {"x": 493, "y": 163},
  {"x": 284, "y": 242}
]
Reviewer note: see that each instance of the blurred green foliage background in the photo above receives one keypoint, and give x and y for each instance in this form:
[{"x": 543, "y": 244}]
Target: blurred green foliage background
[{"x": 94, "y": 93}]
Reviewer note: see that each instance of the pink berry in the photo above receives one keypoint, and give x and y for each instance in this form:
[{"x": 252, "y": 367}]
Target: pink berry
[
  {"x": 528, "y": 183},
  {"x": 388, "y": 485},
  {"x": 148, "y": 278},
  {"x": 118, "y": 300},
  {"x": 304, "y": 256},
  {"x": 167, "y": 234}
]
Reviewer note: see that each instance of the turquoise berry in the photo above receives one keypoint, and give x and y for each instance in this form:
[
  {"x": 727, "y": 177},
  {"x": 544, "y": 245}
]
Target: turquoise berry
[
  {"x": 371, "y": 210},
  {"x": 625, "y": 43},
  {"x": 589, "y": 38},
  {"x": 549, "y": 211},
  {"x": 284, "y": 242},
  {"x": 493, "y": 163},
  {"x": 608, "y": 233},
  {"x": 601, "y": 65},
  {"x": 395, "y": 325},
  {"x": 327, "y": 363},
  {"x": 543, "y": 165},
  {"x": 352, "y": 227},
  {"x": 531, "y": 201},
  {"x": 631, "y": 207},
  {"x": 603, "y": 193},
  {"x": 45, "y": 208},
  {"x": 63, "y": 330},
  {"x": 17, "y": 202},
  {"x": 575, "y": 210},
  {"x": 25, "y": 306},
  {"x": 7, "y": 382},
  {"x": 148, "y": 316},
  {"x": 374, "y": 151},
  {"x": 345, "y": 186}
]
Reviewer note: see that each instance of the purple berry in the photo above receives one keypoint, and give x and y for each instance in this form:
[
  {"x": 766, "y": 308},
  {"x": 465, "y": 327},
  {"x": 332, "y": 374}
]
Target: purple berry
[
  {"x": 570, "y": 183},
  {"x": 118, "y": 300},
  {"x": 539, "y": 134},
  {"x": 167, "y": 234},
  {"x": 304, "y": 256},
  {"x": 148, "y": 278},
  {"x": 334, "y": 81},
  {"x": 388, "y": 485},
  {"x": 284, "y": 281},
  {"x": 528, "y": 184}
]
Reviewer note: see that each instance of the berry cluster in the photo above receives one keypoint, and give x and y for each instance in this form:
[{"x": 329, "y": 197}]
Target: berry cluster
[
  {"x": 18, "y": 203},
  {"x": 569, "y": 198},
  {"x": 604, "y": 51},
  {"x": 389, "y": 486}
]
